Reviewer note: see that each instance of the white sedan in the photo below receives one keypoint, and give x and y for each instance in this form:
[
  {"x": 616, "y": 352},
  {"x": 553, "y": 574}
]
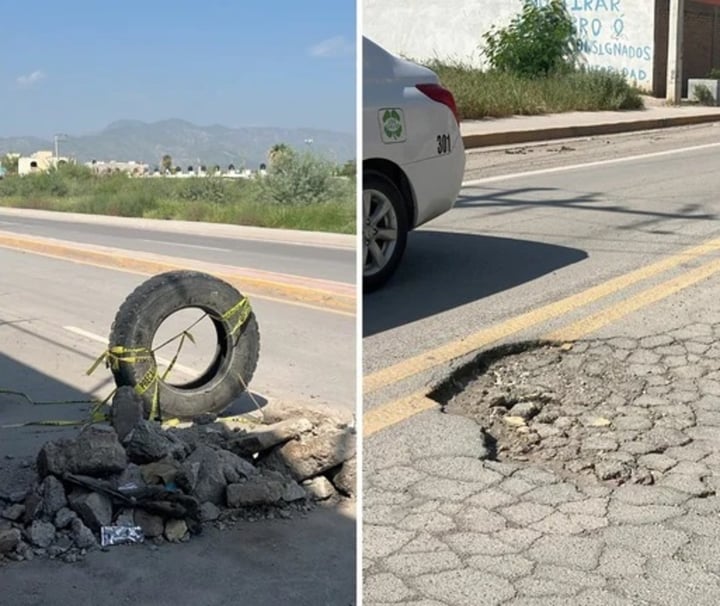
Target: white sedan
[{"x": 413, "y": 156}]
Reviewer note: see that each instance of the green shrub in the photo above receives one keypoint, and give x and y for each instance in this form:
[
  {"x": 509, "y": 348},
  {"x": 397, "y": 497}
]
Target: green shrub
[
  {"x": 210, "y": 189},
  {"x": 300, "y": 179},
  {"x": 541, "y": 40},
  {"x": 703, "y": 95},
  {"x": 317, "y": 201},
  {"x": 606, "y": 89}
]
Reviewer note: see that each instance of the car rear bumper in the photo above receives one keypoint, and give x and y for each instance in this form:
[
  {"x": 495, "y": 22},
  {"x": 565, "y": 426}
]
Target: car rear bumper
[{"x": 436, "y": 183}]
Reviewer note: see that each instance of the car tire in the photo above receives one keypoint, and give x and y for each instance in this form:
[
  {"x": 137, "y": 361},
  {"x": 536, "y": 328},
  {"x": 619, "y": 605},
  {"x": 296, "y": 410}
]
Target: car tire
[
  {"x": 380, "y": 192},
  {"x": 238, "y": 343}
]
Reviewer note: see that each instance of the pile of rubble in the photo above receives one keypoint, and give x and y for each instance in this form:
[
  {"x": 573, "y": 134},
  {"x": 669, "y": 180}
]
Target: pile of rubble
[
  {"x": 135, "y": 480},
  {"x": 579, "y": 409}
]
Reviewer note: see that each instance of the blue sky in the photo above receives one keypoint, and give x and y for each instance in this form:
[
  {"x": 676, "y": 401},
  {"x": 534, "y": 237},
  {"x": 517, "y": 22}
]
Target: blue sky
[{"x": 77, "y": 65}]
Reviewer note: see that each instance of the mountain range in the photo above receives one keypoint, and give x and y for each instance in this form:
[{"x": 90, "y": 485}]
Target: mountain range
[{"x": 188, "y": 144}]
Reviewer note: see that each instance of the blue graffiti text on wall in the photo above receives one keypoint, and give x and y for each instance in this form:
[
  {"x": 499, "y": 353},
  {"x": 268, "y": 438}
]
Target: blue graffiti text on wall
[
  {"x": 594, "y": 27},
  {"x": 615, "y": 49},
  {"x": 630, "y": 73},
  {"x": 587, "y": 5},
  {"x": 595, "y": 5}
]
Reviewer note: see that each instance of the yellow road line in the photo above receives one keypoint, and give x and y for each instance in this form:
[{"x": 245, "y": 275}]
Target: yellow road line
[
  {"x": 595, "y": 322},
  {"x": 315, "y": 298},
  {"x": 396, "y": 411},
  {"x": 455, "y": 349},
  {"x": 401, "y": 409}
]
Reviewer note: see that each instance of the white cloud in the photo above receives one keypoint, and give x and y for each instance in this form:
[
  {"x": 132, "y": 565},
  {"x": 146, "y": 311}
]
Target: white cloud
[
  {"x": 336, "y": 46},
  {"x": 30, "y": 79}
]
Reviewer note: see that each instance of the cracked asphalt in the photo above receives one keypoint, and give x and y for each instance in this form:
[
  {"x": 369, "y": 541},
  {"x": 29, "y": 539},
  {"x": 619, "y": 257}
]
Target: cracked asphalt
[
  {"x": 444, "y": 525},
  {"x": 615, "y": 502}
]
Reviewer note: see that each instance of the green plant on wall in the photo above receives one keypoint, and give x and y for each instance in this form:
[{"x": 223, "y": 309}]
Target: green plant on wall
[
  {"x": 714, "y": 73},
  {"x": 541, "y": 40}
]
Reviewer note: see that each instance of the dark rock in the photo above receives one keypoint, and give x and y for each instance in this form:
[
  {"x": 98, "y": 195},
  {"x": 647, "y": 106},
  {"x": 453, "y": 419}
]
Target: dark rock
[
  {"x": 235, "y": 468},
  {"x": 311, "y": 456},
  {"x": 256, "y": 491},
  {"x": 147, "y": 443},
  {"x": 53, "y": 458},
  {"x": 98, "y": 452},
  {"x": 94, "y": 509},
  {"x": 55, "y": 551},
  {"x": 205, "y": 470},
  {"x": 82, "y": 535},
  {"x": 64, "y": 541},
  {"x": 205, "y": 418},
  {"x": 9, "y": 540},
  {"x": 41, "y": 534},
  {"x": 53, "y": 496},
  {"x": 33, "y": 505},
  {"x": 293, "y": 491},
  {"x": 64, "y": 517},
  {"x": 126, "y": 411},
  {"x": 152, "y": 525},
  {"x": 14, "y": 512},
  {"x": 95, "y": 452},
  {"x": 209, "y": 512}
]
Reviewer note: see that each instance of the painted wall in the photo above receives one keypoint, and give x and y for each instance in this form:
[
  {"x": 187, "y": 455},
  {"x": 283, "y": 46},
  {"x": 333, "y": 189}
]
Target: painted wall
[{"x": 615, "y": 34}]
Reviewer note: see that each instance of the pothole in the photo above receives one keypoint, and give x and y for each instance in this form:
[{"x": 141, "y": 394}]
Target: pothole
[{"x": 576, "y": 409}]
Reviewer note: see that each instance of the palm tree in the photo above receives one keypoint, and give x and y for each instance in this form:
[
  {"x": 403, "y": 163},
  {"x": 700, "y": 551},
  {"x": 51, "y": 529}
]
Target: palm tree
[{"x": 166, "y": 163}]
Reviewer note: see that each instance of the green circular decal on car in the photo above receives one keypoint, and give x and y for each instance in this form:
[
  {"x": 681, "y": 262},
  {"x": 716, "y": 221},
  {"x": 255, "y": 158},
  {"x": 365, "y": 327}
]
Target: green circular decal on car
[{"x": 392, "y": 124}]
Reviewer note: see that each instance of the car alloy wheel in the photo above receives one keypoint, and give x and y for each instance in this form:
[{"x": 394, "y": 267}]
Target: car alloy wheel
[{"x": 380, "y": 231}]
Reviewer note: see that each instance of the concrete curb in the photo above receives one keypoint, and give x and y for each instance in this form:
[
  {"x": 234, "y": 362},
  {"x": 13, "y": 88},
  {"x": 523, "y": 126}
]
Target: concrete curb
[
  {"x": 328, "y": 295},
  {"x": 569, "y": 132}
]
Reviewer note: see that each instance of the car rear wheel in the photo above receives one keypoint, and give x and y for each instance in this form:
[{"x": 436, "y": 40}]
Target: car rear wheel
[{"x": 385, "y": 229}]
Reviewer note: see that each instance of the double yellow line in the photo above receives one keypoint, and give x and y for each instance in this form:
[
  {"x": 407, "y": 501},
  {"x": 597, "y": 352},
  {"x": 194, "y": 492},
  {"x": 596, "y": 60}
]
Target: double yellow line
[{"x": 398, "y": 410}]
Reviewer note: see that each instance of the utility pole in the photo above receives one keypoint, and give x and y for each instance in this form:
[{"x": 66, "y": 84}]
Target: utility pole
[
  {"x": 57, "y": 147},
  {"x": 675, "y": 52}
]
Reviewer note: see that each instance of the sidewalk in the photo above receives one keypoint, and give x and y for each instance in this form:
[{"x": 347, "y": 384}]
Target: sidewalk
[{"x": 528, "y": 129}]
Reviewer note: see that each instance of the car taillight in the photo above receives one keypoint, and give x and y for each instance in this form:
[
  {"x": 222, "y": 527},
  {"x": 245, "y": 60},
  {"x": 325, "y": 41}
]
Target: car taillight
[{"x": 441, "y": 95}]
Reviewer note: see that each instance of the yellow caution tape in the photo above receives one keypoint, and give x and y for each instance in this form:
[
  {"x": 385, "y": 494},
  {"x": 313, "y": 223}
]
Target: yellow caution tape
[
  {"x": 114, "y": 356},
  {"x": 243, "y": 309}
]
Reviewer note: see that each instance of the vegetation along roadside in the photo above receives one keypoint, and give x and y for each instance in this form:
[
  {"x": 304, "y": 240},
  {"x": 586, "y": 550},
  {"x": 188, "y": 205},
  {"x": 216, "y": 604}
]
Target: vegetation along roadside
[
  {"x": 299, "y": 191},
  {"x": 534, "y": 67}
]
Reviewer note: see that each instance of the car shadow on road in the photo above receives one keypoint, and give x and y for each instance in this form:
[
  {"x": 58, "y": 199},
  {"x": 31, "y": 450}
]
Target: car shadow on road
[
  {"x": 28, "y": 395},
  {"x": 506, "y": 201},
  {"x": 444, "y": 270}
]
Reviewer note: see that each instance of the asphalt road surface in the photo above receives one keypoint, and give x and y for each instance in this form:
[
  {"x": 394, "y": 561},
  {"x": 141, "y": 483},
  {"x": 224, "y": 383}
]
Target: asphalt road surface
[
  {"x": 315, "y": 261},
  {"x": 612, "y": 240},
  {"x": 516, "y": 242}
]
